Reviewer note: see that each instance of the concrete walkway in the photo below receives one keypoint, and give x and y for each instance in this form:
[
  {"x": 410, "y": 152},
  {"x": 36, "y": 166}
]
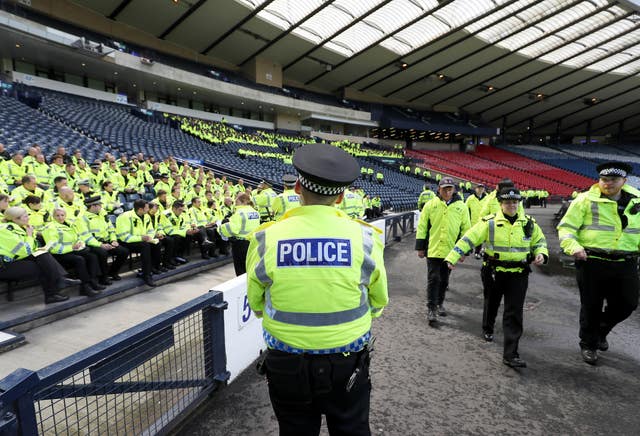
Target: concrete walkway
[
  {"x": 59, "y": 339},
  {"x": 448, "y": 381}
]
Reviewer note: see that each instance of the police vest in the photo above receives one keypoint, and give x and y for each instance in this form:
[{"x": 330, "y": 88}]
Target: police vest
[
  {"x": 592, "y": 222},
  {"x": 60, "y": 236},
  {"x": 243, "y": 221},
  {"x": 284, "y": 202},
  {"x": 15, "y": 244},
  {"x": 317, "y": 276},
  {"x": 441, "y": 225}
]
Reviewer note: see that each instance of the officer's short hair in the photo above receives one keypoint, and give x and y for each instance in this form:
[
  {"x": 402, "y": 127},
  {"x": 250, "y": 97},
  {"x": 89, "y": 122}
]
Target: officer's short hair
[
  {"x": 139, "y": 204},
  {"x": 58, "y": 179},
  {"x": 161, "y": 192},
  {"x": 32, "y": 199},
  {"x": 26, "y": 178},
  {"x": 105, "y": 183}
]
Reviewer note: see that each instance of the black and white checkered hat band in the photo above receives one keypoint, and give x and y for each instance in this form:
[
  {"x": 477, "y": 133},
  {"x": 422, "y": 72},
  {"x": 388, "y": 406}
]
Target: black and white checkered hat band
[
  {"x": 613, "y": 172},
  {"x": 511, "y": 195},
  {"x": 319, "y": 189}
]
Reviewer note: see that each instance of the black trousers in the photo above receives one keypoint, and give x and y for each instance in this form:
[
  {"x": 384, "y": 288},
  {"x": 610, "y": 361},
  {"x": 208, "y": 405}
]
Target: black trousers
[
  {"x": 147, "y": 255},
  {"x": 239, "y": 249},
  {"x": 599, "y": 280},
  {"x": 303, "y": 387},
  {"x": 84, "y": 262},
  {"x": 513, "y": 286},
  {"x": 180, "y": 244},
  {"x": 120, "y": 253},
  {"x": 437, "y": 281},
  {"x": 163, "y": 251},
  {"x": 45, "y": 267}
]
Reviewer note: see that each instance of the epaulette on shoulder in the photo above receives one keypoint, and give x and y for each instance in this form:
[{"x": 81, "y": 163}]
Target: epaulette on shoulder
[
  {"x": 364, "y": 223},
  {"x": 488, "y": 217}
]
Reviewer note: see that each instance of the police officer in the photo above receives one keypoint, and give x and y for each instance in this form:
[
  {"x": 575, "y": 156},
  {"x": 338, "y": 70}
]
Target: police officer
[
  {"x": 442, "y": 220},
  {"x": 426, "y": 195},
  {"x": 601, "y": 230},
  {"x": 244, "y": 220},
  {"x": 132, "y": 231},
  {"x": 99, "y": 235},
  {"x": 17, "y": 248},
  {"x": 512, "y": 240},
  {"x": 288, "y": 199},
  {"x": 318, "y": 357}
]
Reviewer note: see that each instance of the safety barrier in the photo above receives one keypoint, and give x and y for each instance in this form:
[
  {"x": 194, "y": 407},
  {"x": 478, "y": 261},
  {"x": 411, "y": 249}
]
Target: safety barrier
[
  {"x": 394, "y": 227},
  {"x": 141, "y": 381}
]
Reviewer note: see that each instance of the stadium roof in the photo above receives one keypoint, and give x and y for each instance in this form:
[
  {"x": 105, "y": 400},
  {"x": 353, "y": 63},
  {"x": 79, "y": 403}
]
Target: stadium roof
[{"x": 546, "y": 60}]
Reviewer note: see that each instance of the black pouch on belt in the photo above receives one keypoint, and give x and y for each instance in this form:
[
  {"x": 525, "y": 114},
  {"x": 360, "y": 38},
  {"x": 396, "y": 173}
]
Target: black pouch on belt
[{"x": 288, "y": 378}]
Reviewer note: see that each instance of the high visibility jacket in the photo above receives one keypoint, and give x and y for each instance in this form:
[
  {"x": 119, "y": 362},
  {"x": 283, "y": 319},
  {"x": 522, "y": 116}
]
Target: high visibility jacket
[
  {"x": 119, "y": 182},
  {"x": 592, "y": 222},
  {"x": 199, "y": 216},
  {"x": 442, "y": 224},
  {"x": 376, "y": 202},
  {"x": 352, "y": 205},
  {"x": 74, "y": 210},
  {"x": 264, "y": 202},
  {"x": 20, "y": 193},
  {"x": 379, "y": 176},
  {"x": 162, "y": 185},
  {"x": 110, "y": 200},
  {"x": 244, "y": 220},
  {"x": 317, "y": 276},
  {"x": 38, "y": 218},
  {"x": 62, "y": 237},
  {"x": 130, "y": 227},
  {"x": 13, "y": 172},
  {"x": 15, "y": 244},
  {"x": 505, "y": 242},
  {"x": 284, "y": 202},
  {"x": 425, "y": 196},
  {"x": 95, "y": 229},
  {"x": 474, "y": 204},
  {"x": 174, "y": 225},
  {"x": 41, "y": 171}
]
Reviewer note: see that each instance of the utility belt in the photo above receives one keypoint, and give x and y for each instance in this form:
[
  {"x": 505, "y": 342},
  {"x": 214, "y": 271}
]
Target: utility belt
[
  {"x": 611, "y": 257},
  {"x": 494, "y": 262},
  {"x": 297, "y": 378}
]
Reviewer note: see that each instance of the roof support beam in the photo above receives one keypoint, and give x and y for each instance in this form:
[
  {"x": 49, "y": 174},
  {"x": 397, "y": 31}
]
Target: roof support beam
[
  {"x": 441, "y": 5},
  {"x": 183, "y": 17},
  {"x": 613, "y": 97},
  {"x": 114, "y": 14},
  {"x": 616, "y": 122},
  {"x": 287, "y": 32},
  {"x": 547, "y": 68},
  {"x": 452, "y": 44},
  {"x": 529, "y": 25},
  {"x": 238, "y": 25},
  {"x": 526, "y": 61},
  {"x": 338, "y": 32},
  {"x": 416, "y": 50},
  {"x": 586, "y": 94}
]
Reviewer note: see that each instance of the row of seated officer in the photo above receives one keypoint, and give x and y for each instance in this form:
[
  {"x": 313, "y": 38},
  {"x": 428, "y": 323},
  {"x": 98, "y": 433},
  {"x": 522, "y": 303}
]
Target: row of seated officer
[{"x": 86, "y": 243}]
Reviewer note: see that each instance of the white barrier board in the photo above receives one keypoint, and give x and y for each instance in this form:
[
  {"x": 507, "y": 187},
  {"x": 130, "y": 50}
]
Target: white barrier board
[{"x": 242, "y": 330}]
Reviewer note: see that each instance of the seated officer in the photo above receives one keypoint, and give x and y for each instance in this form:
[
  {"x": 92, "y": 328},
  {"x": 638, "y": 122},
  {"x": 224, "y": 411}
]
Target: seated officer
[
  {"x": 164, "y": 242},
  {"x": 132, "y": 232},
  {"x": 318, "y": 357},
  {"x": 28, "y": 187},
  {"x": 38, "y": 215},
  {"x": 69, "y": 202},
  {"x": 177, "y": 225},
  {"x": 206, "y": 229},
  {"x": 99, "y": 235}
]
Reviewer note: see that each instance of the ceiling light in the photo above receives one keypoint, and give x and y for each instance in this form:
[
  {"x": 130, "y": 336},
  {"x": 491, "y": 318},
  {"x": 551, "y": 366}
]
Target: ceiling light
[
  {"x": 84, "y": 65},
  {"x": 17, "y": 45},
  {"x": 134, "y": 85},
  {"x": 179, "y": 89},
  {"x": 115, "y": 72},
  {"x": 194, "y": 93}
]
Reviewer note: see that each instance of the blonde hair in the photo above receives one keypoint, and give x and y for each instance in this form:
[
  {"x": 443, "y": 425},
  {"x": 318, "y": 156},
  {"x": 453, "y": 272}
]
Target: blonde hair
[{"x": 14, "y": 212}]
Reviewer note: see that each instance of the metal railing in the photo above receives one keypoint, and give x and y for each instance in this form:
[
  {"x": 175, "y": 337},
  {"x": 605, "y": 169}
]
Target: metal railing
[
  {"x": 142, "y": 381},
  {"x": 397, "y": 226}
]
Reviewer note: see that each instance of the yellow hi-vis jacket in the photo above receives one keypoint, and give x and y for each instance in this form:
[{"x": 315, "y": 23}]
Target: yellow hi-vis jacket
[
  {"x": 352, "y": 205},
  {"x": 504, "y": 242},
  {"x": 244, "y": 220},
  {"x": 474, "y": 204},
  {"x": 95, "y": 229},
  {"x": 592, "y": 222},
  {"x": 442, "y": 224},
  {"x": 317, "y": 276},
  {"x": 14, "y": 242},
  {"x": 130, "y": 227},
  {"x": 284, "y": 202},
  {"x": 425, "y": 196},
  {"x": 62, "y": 237},
  {"x": 174, "y": 225}
]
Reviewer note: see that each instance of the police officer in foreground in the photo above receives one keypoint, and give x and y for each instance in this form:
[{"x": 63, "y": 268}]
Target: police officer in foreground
[
  {"x": 512, "y": 241},
  {"x": 601, "y": 230},
  {"x": 317, "y": 278}
]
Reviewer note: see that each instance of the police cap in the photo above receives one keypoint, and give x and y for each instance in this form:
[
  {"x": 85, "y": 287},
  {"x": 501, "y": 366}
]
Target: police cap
[
  {"x": 85, "y": 182},
  {"x": 164, "y": 175},
  {"x": 124, "y": 168},
  {"x": 96, "y": 165},
  {"x": 614, "y": 169},
  {"x": 289, "y": 179},
  {"x": 509, "y": 193},
  {"x": 92, "y": 201},
  {"x": 325, "y": 169},
  {"x": 446, "y": 181},
  {"x": 505, "y": 183}
]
